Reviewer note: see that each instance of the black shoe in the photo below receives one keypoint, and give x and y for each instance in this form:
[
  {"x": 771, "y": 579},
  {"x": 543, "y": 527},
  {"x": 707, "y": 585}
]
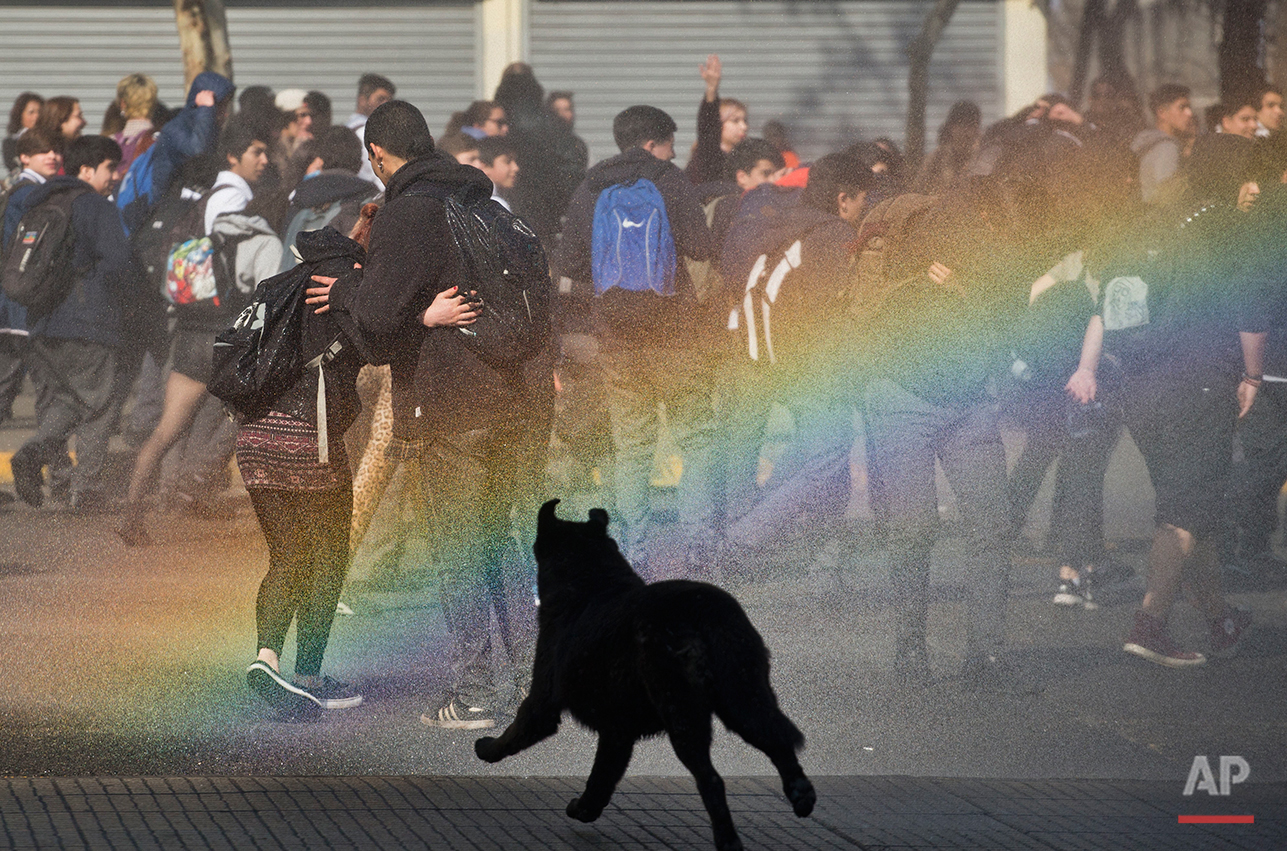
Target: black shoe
[
  {"x": 290, "y": 701},
  {"x": 60, "y": 492},
  {"x": 28, "y": 481},
  {"x": 330, "y": 693}
]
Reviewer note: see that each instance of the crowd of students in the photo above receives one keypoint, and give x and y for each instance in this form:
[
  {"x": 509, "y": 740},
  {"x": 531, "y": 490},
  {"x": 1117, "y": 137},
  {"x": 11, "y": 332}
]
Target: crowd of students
[{"x": 1090, "y": 269}]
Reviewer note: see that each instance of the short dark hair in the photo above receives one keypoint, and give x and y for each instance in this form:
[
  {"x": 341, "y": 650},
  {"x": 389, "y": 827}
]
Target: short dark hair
[
  {"x": 339, "y": 148},
  {"x": 492, "y": 147},
  {"x": 833, "y": 174},
  {"x": 238, "y": 136},
  {"x": 400, "y": 129},
  {"x": 558, "y": 95},
  {"x": 748, "y": 154},
  {"x": 369, "y": 84},
  {"x": 320, "y": 106},
  {"x": 34, "y": 142},
  {"x": 90, "y": 151},
  {"x": 637, "y": 125},
  {"x": 1165, "y": 95}
]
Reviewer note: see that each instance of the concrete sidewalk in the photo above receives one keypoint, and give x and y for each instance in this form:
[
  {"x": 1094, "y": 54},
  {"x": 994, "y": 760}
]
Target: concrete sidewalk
[{"x": 647, "y": 813}]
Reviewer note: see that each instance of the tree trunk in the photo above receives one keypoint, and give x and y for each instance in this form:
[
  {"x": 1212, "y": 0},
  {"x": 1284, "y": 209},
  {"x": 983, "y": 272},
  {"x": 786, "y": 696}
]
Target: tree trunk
[
  {"x": 1092, "y": 21},
  {"x": 919, "y": 53},
  {"x": 1240, "y": 47},
  {"x": 203, "y": 38}
]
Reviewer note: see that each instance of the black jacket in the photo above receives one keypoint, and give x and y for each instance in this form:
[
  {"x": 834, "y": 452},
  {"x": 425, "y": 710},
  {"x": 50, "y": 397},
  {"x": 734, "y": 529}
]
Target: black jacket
[
  {"x": 642, "y": 319},
  {"x": 92, "y": 311},
  {"x": 439, "y": 384}
]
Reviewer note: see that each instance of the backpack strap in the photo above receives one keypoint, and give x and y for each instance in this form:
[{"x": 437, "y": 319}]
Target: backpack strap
[{"x": 323, "y": 445}]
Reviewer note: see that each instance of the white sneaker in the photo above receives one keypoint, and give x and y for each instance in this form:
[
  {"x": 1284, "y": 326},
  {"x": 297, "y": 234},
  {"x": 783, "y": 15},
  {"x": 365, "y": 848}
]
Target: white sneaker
[{"x": 455, "y": 716}]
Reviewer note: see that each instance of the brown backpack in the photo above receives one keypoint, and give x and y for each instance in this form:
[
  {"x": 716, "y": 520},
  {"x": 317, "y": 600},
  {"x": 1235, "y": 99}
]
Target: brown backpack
[{"x": 876, "y": 273}]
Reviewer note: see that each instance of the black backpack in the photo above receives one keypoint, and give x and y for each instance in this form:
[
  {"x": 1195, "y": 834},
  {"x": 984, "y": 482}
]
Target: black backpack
[
  {"x": 261, "y": 356},
  {"x": 38, "y": 270},
  {"x": 504, "y": 261}
]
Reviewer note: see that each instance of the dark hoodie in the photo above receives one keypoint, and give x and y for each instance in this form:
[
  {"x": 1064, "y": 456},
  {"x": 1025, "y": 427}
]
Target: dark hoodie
[
  {"x": 642, "y": 319},
  {"x": 92, "y": 311},
  {"x": 439, "y": 385}
]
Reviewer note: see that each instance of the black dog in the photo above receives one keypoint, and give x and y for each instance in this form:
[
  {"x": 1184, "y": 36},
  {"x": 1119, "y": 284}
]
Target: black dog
[{"x": 630, "y": 660}]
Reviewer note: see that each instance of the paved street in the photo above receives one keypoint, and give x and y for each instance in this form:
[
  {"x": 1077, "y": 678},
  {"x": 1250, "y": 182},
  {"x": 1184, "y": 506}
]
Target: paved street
[{"x": 125, "y": 664}]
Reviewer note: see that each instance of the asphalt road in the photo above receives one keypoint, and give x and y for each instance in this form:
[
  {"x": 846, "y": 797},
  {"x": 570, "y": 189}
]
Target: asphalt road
[{"x": 130, "y": 662}]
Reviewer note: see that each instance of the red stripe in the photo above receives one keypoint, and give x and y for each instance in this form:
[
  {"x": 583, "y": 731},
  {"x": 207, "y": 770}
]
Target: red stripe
[{"x": 1217, "y": 819}]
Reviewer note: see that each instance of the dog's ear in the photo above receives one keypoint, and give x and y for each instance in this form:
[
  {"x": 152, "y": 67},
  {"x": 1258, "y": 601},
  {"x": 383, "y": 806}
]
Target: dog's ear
[
  {"x": 546, "y": 518},
  {"x": 599, "y": 517}
]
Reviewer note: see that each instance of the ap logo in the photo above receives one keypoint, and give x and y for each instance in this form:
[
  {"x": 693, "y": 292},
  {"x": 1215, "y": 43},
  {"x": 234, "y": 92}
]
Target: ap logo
[{"x": 1201, "y": 777}]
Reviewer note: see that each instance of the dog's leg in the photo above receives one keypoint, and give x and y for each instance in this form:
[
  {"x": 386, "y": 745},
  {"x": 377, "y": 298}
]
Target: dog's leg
[
  {"x": 535, "y": 720},
  {"x": 610, "y": 762},
  {"x": 691, "y": 740},
  {"x": 778, "y": 738}
]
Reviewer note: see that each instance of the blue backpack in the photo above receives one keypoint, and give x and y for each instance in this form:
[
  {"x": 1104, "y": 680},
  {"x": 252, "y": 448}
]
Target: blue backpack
[
  {"x": 134, "y": 196},
  {"x": 631, "y": 246}
]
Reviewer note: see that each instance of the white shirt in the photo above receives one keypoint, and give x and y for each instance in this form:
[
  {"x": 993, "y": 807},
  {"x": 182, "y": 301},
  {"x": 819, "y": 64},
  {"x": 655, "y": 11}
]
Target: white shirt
[
  {"x": 357, "y": 123},
  {"x": 499, "y": 200},
  {"x": 231, "y": 194}
]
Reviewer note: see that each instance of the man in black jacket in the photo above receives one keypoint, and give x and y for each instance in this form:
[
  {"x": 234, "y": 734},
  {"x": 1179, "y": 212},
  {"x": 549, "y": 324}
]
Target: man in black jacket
[
  {"x": 656, "y": 348},
  {"x": 463, "y": 417}
]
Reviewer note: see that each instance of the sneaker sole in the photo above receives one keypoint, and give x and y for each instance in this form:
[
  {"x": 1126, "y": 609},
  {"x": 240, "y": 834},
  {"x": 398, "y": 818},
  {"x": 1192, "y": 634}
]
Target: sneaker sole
[
  {"x": 480, "y": 724},
  {"x": 290, "y": 701},
  {"x": 339, "y": 702},
  {"x": 1161, "y": 658}
]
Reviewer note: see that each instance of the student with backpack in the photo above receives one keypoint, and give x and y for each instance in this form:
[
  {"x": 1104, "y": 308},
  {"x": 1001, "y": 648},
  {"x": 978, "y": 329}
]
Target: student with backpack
[
  {"x": 68, "y": 260},
  {"x": 289, "y": 371},
  {"x": 963, "y": 279},
  {"x": 209, "y": 279},
  {"x": 791, "y": 265},
  {"x": 331, "y": 192},
  {"x": 628, "y": 223},
  {"x": 40, "y": 161}
]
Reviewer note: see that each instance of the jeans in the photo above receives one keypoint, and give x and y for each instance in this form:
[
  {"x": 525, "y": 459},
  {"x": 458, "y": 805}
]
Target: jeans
[
  {"x": 469, "y": 482},
  {"x": 907, "y": 434},
  {"x": 810, "y": 479},
  {"x": 1077, "y": 517},
  {"x": 637, "y": 381}
]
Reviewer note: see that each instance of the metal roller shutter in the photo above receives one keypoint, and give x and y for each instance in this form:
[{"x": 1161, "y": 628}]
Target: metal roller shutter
[
  {"x": 833, "y": 70},
  {"x": 430, "y": 54}
]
